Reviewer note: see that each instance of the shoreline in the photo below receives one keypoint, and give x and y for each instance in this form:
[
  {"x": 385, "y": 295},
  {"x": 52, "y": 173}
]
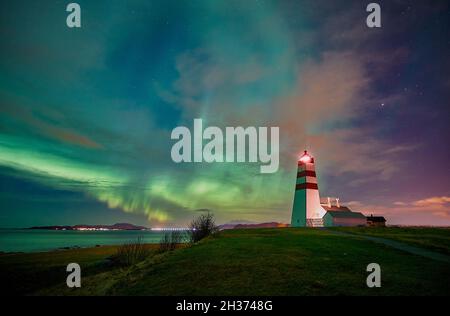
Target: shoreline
[
  {"x": 70, "y": 248},
  {"x": 32, "y": 241}
]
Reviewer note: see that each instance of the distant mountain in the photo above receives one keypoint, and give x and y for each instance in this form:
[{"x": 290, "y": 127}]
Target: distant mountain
[
  {"x": 117, "y": 226},
  {"x": 233, "y": 223},
  {"x": 260, "y": 225},
  {"x": 127, "y": 226}
]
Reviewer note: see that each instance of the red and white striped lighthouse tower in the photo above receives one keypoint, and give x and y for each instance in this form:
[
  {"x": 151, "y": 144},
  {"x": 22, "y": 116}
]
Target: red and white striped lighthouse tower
[{"x": 306, "y": 210}]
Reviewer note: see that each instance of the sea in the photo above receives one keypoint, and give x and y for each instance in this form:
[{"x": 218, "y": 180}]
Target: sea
[{"x": 37, "y": 240}]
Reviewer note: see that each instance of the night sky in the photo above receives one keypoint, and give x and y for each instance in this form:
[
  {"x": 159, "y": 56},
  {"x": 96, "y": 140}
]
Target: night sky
[{"x": 86, "y": 114}]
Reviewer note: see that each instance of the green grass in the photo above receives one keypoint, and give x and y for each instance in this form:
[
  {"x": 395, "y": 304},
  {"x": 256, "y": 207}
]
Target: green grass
[
  {"x": 286, "y": 261},
  {"x": 25, "y": 273},
  {"x": 434, "y": 239}
]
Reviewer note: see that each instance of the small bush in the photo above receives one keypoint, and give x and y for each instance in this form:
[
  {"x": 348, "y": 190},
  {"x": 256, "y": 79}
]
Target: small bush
[
  {"x": 170, "y": 240},
  {"x": 202, "y": 227},
  {"x": 131, "y": 253}
]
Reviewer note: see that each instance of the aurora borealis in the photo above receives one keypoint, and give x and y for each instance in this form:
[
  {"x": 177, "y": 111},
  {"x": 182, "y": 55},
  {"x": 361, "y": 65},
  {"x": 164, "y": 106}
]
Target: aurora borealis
[{"x": 86, "y": 114}]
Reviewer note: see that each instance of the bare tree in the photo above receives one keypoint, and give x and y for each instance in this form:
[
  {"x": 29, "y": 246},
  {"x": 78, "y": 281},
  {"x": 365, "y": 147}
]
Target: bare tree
[
  {"x": 170, "y": 240},
  {"x": 131, "y": 253},
  {"x": 202, "y": 227}
]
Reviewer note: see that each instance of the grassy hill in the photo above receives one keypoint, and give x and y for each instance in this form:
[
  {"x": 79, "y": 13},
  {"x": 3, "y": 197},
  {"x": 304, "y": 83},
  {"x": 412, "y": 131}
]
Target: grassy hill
[
  {"x": 434, "y": 239},
  {"x": 283, "y": 261}
]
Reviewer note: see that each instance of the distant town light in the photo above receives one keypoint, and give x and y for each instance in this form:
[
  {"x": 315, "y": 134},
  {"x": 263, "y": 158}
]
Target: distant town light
[{"x": 169, "y": 228}]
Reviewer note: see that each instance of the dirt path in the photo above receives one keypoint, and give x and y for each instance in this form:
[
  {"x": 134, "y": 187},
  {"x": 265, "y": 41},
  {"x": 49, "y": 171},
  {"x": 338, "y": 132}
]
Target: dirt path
[{"x": 400, "y": 246}]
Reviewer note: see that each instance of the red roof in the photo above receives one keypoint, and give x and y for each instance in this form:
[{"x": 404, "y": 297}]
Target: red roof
[{"x": 335, "y": 208}]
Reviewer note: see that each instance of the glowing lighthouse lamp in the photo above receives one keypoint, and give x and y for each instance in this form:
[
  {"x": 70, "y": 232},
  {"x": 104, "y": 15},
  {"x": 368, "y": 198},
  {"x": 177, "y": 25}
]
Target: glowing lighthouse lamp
[
  {"x": 305, "y": 158},
  {"x": 306, "y": 210}
]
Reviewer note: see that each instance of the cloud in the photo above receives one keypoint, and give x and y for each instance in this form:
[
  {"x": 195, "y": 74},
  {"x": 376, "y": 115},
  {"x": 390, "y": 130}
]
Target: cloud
[
  {"x": 330, "y": 94},
  {"x": 433, "y": 210},
  {"x": 327, "y": 90},
  {"x": 321, "y": 102},
  {"x": 44, "y": 125},
  {"x": 260, "y": 66},
  {"x": 227, "y": 91},
  {"x": 436, "y": 201}
]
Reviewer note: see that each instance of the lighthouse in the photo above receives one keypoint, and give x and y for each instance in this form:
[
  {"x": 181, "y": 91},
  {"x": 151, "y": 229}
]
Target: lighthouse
[{"x": 306, "y": 210}]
